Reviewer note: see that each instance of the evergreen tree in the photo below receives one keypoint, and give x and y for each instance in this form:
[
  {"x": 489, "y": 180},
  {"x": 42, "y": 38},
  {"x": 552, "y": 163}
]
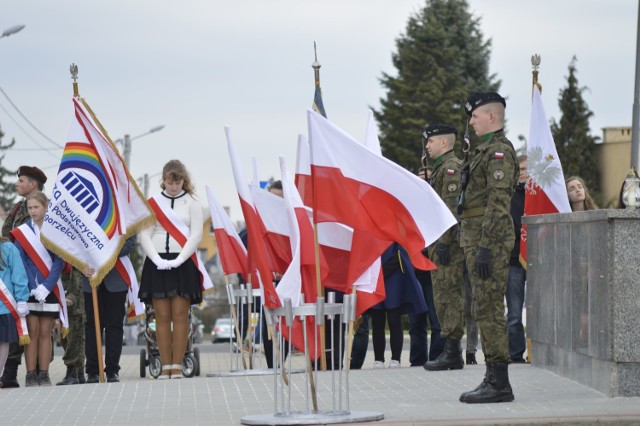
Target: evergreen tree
[
  {"x": 574, "y": 142},
  {"x": 440, "y": 60},
  {"x": 7, "y": 188}
]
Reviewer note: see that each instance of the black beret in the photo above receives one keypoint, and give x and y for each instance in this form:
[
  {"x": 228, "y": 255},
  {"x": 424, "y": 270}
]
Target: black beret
[
  {"x": 32, "y": 172},
  {"x": 479, "y": 99},
  {"x": 438, "y": 129}
]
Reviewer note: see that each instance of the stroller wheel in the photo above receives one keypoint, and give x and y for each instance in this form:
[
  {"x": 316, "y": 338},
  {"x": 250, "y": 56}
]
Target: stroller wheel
[
  {"x": 143, "y": 362},
  {"x": 196, "y": 354},
  {"x": 155, "y": 366},
  {"x": 189, "y": 365}
]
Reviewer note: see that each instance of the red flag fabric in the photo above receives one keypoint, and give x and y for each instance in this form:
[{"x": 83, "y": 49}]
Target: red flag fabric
[
  {"x": 255, "y": 229},
  {"x": 545, "y": 191},
  {"x": 356, "y": 187},
  {"x": 233, "y": 254}
]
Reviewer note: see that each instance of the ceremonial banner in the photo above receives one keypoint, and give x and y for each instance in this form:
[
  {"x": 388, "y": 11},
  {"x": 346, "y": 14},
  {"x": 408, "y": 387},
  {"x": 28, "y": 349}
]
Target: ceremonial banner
[
  {"x": 356, "y": 187},
  {"x": 233, "y": 254},
  {"x": 545, "y": 191},
  {"x": 258, "y": 263},
  {"x": 95, "y": 205}
]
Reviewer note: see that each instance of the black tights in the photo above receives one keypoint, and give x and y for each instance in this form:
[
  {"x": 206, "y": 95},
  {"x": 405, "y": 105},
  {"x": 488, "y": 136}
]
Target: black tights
[{"x": 378, "y": 319}]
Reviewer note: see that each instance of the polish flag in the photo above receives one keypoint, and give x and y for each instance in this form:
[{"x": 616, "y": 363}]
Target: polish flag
[
  {"x": 255, "y": 230},
  {"x": 272, "y": 212},
  {"x": 233, "y": 254},
  {"x": 370, "y": 193},
  {"x": 545, "y": 191},
  {"x": 335, "y": 241}
]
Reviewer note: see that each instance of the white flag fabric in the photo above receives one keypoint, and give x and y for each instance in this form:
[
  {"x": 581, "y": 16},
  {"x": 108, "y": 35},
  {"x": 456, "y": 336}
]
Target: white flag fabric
[{"x": 95, "y": 204}]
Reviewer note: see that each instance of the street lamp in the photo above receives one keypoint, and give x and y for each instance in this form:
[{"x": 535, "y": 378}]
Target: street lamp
[
  {"x": 12, "y": 30},
  {"x": 127, "y": 142}
]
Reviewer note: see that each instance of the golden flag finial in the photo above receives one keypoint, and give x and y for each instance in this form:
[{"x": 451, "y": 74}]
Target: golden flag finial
[
  {"x": 535, "y": 63},
  {"x": 74, "y": 76}
]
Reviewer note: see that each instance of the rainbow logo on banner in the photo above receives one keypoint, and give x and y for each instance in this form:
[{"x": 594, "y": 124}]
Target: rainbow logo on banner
[{"x": 81, "y": 172}]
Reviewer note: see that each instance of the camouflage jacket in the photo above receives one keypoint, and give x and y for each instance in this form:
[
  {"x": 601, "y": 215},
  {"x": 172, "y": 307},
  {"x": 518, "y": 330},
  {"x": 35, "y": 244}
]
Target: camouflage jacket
[
  {"x": 486, "y": 216},
  {"x": 17, "y": 216},
  {"x": 445, "y": 180}
]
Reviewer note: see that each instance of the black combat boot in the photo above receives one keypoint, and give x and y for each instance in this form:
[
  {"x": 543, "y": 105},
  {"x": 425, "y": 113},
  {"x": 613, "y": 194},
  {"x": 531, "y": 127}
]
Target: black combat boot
[
  {"x": 471, "y": 358},
  {"x": 9, "y": 377},
  {"x": 71, "y": 378},
  {"x": 494, "y": 388},
  {"x": 449, "y": 359}
]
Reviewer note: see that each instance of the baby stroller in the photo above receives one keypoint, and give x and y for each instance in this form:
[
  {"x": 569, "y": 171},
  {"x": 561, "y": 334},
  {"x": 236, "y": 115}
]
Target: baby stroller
[{"x": 151, "y": 355}]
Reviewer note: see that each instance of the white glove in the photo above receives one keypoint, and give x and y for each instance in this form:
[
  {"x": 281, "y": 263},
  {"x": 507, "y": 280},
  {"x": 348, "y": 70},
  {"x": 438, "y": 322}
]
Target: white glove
[
  {"x": 160, "y": 263},
  {"x": 23, "y": 309},
  {"x": 176, "y": 262},
  {"x": 41, "y": 293}
]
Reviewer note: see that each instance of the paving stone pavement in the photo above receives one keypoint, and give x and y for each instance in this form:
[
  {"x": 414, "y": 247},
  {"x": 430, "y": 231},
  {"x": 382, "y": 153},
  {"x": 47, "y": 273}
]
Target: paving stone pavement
[{"x": 406, "y": 396}]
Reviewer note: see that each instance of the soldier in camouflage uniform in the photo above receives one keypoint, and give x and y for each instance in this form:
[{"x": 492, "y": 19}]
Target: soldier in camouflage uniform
[
  {"x": 73, "y": 343},
  {"x": 30, "y": 179},
  {"x": 487, "y": 238},
  {"x": 448, "y": 283}
]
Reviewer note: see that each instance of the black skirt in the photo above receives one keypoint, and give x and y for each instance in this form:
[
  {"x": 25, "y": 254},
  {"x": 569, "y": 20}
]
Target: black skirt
[
  {"x": 8, "y": 329},
  {"x": 50, "y": 307},
  {"x": 182, "y": 281}
]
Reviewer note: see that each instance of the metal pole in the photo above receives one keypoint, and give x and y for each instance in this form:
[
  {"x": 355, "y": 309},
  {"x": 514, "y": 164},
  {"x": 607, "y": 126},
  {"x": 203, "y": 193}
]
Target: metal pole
[
  {"x": 145, "y": 185},
  {"x": 127, "y": 150},
  {"x": 635, "y": 132}
]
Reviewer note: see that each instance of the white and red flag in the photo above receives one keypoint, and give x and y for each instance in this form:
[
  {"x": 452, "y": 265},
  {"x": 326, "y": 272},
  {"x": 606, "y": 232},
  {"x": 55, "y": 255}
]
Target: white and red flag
[
  {"x": 258, "y": 263},
  {"x": 127, "y": 272},
  {"x": 300, "y": 277},
  {"x": 545, "y": 191},
  {"x": 356, "y": 187},
  {"x": 95, "y": 205},
  {"x": 233, "y": 253}
]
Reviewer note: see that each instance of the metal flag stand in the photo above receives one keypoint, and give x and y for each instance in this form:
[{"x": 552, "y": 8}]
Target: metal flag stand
[{"x": 293, "y": 407}]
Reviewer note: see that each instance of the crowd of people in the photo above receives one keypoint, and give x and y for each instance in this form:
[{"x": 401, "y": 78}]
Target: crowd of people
[
  {"x": 36, "y": 285},
  {"x": 478, "y": 267}
]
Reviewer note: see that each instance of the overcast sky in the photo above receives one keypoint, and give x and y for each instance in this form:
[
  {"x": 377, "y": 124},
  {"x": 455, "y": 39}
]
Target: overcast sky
[{"x": 195, "y": 66}]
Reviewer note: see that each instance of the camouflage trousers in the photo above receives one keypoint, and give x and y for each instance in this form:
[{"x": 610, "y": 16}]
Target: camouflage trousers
[
  {"x": 73, "y": 343},
  {"x": 448, "y": 293},
  {"x": 488, "y": 301}
]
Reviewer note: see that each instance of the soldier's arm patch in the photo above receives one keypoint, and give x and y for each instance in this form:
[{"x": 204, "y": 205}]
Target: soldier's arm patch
[
  {"x": 498, "y": 155},
  {"x": 453, "y": 187},
  {"x": 498, "y": 174},
  {"x": 451, "y": 172}
]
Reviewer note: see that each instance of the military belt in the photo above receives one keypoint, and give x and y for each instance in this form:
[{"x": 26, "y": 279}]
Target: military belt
[{"x": 474, "y": 212}]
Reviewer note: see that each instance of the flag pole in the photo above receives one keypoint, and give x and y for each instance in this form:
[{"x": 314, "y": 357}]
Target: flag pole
[
  {"x": 94, "y": 291},
  {"x": 319, "y": 107}
]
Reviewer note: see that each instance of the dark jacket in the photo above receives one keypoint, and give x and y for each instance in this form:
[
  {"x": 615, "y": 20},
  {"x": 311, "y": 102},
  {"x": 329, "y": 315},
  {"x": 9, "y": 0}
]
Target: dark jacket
[
  {"x": 517, "y": 210},
  {"x": 113, "y": 282}
]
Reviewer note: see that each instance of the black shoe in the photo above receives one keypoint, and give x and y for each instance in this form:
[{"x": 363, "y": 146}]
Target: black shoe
[
  {"x": 93, "y": 378},
  {"x": 471, "y": 358},
  {"x": 9, "y": 377},
  {"x": 449, "y": 359},
  {"x": 82, "y": 379},
  {"x": 31, "y": 379},
  {"x": 113, "y": 378},
  {"x": 494, "y": 388},
  {"x": 519, "y": 360},
  {"x": 71, "y": 378}
]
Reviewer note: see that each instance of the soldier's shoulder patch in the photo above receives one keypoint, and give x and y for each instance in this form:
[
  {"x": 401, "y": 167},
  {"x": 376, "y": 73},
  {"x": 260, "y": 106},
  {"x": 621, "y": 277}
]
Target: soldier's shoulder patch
[
  {"x": 498, "y": 155},
  {"x": 498, "y": 174},
  {"x": 452, "y": 187},
  {"x": 451, "y": 172}
]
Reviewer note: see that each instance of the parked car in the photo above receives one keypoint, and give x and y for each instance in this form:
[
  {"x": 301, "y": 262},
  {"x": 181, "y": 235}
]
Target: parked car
[{"x": 222, "y": 331}]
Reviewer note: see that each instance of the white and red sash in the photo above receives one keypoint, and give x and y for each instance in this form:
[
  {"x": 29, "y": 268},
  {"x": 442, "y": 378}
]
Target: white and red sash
[
  {"x": 180, "y": 232},
  {"x": 21, "y": 323},
  {"x": 125, "y": 269},
  {"x": 43, "y": 261}
]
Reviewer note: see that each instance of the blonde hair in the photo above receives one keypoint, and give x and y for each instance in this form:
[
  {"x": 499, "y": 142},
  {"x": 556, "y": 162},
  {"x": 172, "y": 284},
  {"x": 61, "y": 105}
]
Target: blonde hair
[
  {"x": 588, "y": 202},
  {"x": 175, "y": 170},
  {"x": 40, "y": 197}
]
